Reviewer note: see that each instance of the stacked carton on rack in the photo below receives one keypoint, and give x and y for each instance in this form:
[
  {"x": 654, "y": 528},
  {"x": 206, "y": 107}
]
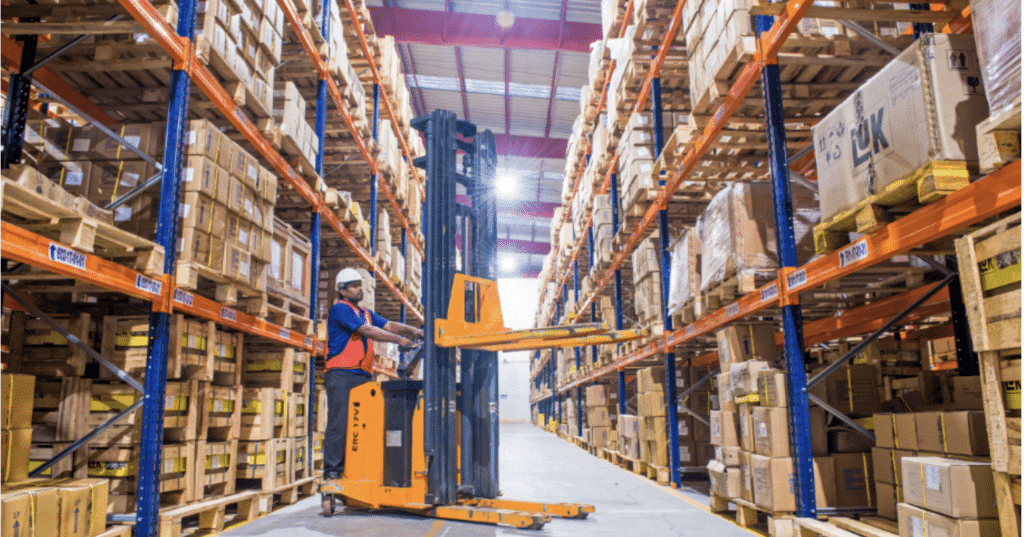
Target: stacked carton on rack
[
  {"x": 602, "y": 413},
  {"x": 652, "y": 413}
]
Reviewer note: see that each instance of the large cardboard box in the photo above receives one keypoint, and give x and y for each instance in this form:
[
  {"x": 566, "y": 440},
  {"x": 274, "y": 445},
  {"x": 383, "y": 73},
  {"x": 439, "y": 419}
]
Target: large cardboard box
[
  {"x": 959, "y": 433},
  {"x": 650, "y": 379},
  {"x": 687, "y": 453},
  {"x": 887, "y": 497},
  {"x": 597, "y": 395},
  {"x": 15, "y": 445},
  {"x": 774, "y": 482},
  {"x": 746, "y": 476},
  {"x": 738, "y": 343},
  {"x": 729, "y": 456},
  {"x": 598, "y": 436},
  {"x": 915, "y": 522},
  {"x": 726, "y": 395},
  {"x": 771, "y": 388},
  {"x": 967, "y": 393},
  {"x": 597, "y": 416},
  {"x": 921, "y": 107},
  {"x": 771, "y": 431},
  {"x": 16, "y": 396},
  {"x": 29, "y": 510},
  {"x": 723, "y": 428},
  {"x": 746, "y": 426},
  {"x": 896, "y": 431},
  {"x": 743, "y": 376},
  {"x": 888, "y": 463},
  {"x": 726, "y": 481},
  {"x": 685, "y": 426},
  {"x": 960, "y": 489},
  {"x": 854, "y": 480},
  {"x": 628, "y": 426},
  {"x": 654, "y": 428},
  {"x": 83, "y": 505},
  {"x": 629, "y": 447},
  {"x": 854, "y": 389}
]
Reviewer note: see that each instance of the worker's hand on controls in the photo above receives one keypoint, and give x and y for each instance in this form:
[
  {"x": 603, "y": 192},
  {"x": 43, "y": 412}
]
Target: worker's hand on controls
[
  {"x": 418, "y": 332},
  {"x": 405, "y": 342}
]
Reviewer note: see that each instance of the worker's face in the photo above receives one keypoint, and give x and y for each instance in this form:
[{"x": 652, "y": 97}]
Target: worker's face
[{"x": 352, "y": 292}]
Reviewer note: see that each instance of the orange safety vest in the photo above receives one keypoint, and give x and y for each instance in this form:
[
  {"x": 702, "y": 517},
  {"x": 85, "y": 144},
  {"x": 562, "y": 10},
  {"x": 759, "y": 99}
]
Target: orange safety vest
[{"x": 353, "y": 356}]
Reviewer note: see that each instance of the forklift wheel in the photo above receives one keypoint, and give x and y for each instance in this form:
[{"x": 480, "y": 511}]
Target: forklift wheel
[{"x": 328, "y": 504}]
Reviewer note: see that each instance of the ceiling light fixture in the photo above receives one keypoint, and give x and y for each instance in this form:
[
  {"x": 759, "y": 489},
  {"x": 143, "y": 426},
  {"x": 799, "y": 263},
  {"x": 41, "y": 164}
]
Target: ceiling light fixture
[
  {"x": 506, "y": 184},
  {"x": 505, "y": 19},
  {"x": 507, "y": 263}
]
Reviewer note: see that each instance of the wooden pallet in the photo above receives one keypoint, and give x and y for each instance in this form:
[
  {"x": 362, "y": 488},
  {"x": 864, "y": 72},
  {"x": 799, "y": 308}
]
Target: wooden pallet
[
  {"x": 208, "y": 516},
  {"x": 929, "y": 183},
  {"x": 736, "y": 284},
  {"x": 633, "y": 465},
  {"x": 660, "y": 474},
  {"x": 35, "y": 349},
  {"x": 70, "y": 226},
  {"x": 748, "y": 515},
  {"x": 866, "y": 526},
  {"x": 287, "y": 494}
]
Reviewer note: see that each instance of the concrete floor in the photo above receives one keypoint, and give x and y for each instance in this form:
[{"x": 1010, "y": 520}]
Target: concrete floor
[{"x": 536, "y": 466}]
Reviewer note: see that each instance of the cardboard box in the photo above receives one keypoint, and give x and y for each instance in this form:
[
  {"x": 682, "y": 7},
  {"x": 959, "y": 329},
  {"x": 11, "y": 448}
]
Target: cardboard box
[
  {"x": 746, "y": 477},
  {"x": 17, "y": 393},
  {"x": 597, "y": 395},
  {"x": 887, "y": 496},
  {"x": 771, "y": 388},
  {"x": 958, "y": 433},
  {"x": 729, "y": 456},
  {"x": 919, "y": 108},
  {"x": 967, "y": 394},
  {"x": 743, "y": 376},
  {"x": 774, "y": 484},
  {"x": 726, "y": 395},
  {"x": 854, "y": 390},
  {"x": 915, "y": 522},
  {"x": 651, "y": 379},
  {"x": 739, "y": 343},
  {"x": 657, "y": 452},
  {"x": 685, "y": 426},
  {"x": 819, "y": 431},
  {"x": 629, "y": 426},
  {"x": 723, "y": 428},
  {"x": 598, "y": 416},
  {"x": 629, "y": 447},
  {"x": 15, "y": 445},
  {"x": 687, "y": 453},
  {"x": 896, "y": 431},
  {"x": 654, "y": 428},
  {"x": 29, "y": 510},
  {"x": 73, "y": 176},
  {"x": 598, "y": 436},
  {"x": 960, "y": 489},
  {"x": 854, "y": 480},
  {"x": 746, "y": 426},
  {"x": 771, "y": 431},
  {"x": 651, "y": 404},
  {"x": 83, "y": 505},
  {"x": 726, "y": 482},
  {"x": 887, "y": 464}
]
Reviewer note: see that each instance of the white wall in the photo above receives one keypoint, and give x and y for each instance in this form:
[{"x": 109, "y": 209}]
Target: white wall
[{"x": 519, "y": 298}]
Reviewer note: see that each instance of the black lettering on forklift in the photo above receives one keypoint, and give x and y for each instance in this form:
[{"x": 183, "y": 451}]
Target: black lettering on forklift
[{"x": 355, "y": 432}]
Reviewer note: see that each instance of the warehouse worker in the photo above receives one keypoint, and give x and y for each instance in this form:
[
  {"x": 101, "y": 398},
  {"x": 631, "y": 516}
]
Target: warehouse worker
[{"x": 350, "y": 359}]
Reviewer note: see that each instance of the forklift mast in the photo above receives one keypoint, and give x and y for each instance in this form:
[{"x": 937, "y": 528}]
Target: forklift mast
[{"x": 476, "y": 396}]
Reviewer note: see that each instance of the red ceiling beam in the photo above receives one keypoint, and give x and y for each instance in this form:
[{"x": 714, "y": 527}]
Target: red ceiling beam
[
  {"x": 530, "y": 146},
  {"x": 554, "y": 74},
  {"x": 523, "y": 247},
  {"x": 462, "y": 84},
  {"x": 508, "y": 98},
  {"x": 431, "y": 27}
]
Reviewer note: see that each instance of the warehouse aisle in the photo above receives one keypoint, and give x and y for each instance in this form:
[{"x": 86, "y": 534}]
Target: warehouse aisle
[{"x": 534, "y": 466}]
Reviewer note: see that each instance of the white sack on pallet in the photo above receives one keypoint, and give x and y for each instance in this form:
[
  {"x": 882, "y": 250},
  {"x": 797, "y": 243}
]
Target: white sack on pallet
[
  {"x": 997, "y": 35},
  {"x": 738, "y": 230},
  {"x": 684, "y": 278}
]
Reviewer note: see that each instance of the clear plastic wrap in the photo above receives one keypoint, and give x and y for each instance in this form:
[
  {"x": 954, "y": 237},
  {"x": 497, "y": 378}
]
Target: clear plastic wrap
[
  {"x": 684, "y": 279},
  {"x": 738, "y": 231},
  {"x": 997, "y": 34}
]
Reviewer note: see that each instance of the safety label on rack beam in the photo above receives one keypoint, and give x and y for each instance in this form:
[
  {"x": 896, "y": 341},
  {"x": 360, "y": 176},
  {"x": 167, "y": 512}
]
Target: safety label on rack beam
[
  {"x": 796, "y": 279},
  {"x": 284, "y": 333},
  {"x": 857, "y": 251},
  {"x": 308, "y": 341},
  {"x": 67, "y": 256},
  {"x": 229, "y": 314},
  {"x": 770, "y": 292},
  {"x": 689, "y": 330},
  {"x": 183, "y": 297},
  {"x": 148, "y": 285},
  {"x": 732, "y": 310}
]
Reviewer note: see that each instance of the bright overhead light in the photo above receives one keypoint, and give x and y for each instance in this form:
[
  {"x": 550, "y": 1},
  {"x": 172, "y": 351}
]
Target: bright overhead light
[
  {"x": 505, "y": 19},
  {"x": 507, "y": 263},
  {"x": 506, "y": 184}
]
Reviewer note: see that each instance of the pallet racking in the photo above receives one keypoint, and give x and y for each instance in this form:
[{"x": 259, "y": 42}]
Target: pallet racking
[
  {"x": 177, "y": 44},
  {"x": 988, "y": 197}
]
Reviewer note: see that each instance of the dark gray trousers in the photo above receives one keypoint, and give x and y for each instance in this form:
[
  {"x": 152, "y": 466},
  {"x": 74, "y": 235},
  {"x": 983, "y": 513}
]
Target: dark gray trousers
[{"x": 339, "y": 383}]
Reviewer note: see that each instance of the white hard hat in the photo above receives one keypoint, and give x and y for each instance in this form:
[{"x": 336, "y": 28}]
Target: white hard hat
[{"x": 346, "y": 276}]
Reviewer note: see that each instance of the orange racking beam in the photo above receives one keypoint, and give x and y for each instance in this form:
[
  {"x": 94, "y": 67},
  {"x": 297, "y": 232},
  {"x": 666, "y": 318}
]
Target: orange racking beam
[
  {"x": 38, "y": 251},
  {"x": 11, "y": 51},
  {"x": 182, "y": 53}
]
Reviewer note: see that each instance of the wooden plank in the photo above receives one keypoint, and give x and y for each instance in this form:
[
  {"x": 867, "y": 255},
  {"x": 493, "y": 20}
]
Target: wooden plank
[
  {"x": 810, "y": 527},
  {"x": 860, "y": 528},
  {"x": 1007, "y": 502}
]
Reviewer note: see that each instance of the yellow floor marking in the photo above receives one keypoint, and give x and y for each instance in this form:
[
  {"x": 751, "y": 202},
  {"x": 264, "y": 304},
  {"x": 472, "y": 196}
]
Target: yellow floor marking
[{"x": 437, "y": 526}]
